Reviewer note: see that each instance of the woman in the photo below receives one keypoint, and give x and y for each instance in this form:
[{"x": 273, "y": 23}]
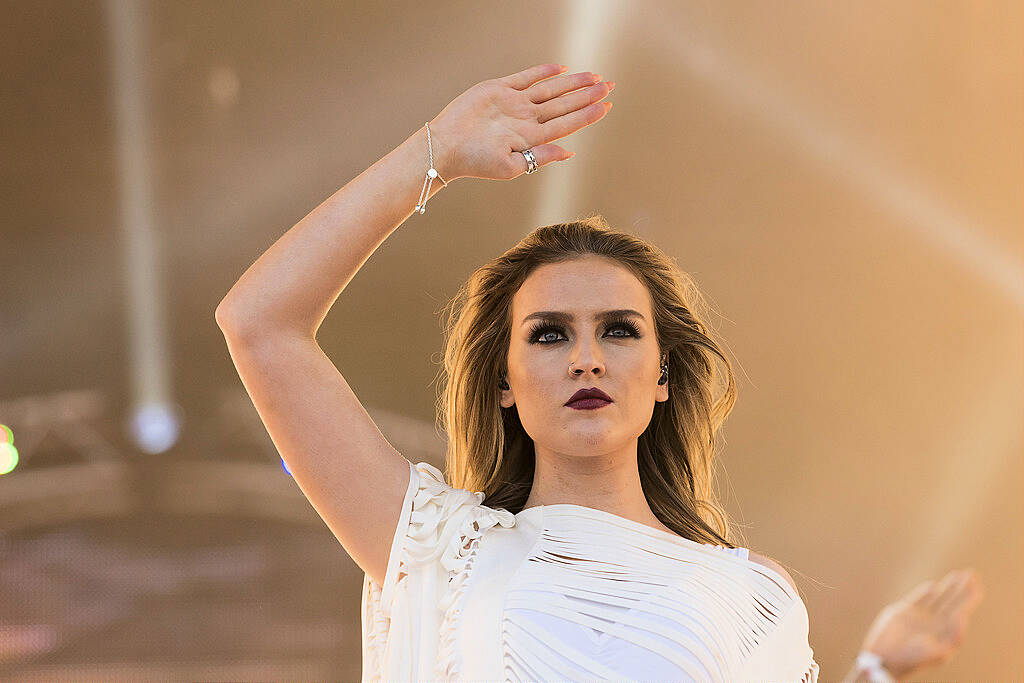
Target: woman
[
  {"x": 577, "y": 539},
  {"x": 615, "y": 564}
]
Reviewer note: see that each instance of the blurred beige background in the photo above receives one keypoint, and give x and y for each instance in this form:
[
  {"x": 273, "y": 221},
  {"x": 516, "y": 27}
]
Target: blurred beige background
[{"x": 843, "y": 180}]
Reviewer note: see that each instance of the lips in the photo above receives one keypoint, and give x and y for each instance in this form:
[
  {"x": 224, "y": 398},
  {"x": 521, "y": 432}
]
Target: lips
[{"x": 592, "y": 392}]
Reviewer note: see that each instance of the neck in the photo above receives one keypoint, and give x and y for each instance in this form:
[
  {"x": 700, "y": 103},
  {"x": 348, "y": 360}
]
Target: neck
[{"x": 608, "y": 482}]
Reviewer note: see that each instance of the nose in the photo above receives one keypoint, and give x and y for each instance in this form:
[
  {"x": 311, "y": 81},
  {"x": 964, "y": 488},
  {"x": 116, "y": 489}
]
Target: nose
[{"x": 587, "y": 363}]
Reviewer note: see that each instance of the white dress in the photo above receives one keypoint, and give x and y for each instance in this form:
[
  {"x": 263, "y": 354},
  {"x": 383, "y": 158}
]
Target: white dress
[{"x": 570, "y": 593}]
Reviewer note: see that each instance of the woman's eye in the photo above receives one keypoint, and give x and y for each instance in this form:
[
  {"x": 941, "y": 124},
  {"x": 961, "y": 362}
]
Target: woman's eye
[
  {"x": 627, "y": 327},
  {"x": 539, "y": 335}
]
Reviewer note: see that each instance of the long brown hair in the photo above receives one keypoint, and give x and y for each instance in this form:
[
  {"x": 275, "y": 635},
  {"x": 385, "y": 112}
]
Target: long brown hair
[{"x": 488, "y": 450}]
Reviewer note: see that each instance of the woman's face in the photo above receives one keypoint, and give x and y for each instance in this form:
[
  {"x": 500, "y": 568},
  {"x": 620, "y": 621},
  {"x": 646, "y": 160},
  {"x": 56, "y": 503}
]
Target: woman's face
[{"x": 624, "y": 365}]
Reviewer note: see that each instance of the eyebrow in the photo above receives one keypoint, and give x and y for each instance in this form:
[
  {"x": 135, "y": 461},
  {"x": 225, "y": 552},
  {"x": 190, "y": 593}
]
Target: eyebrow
[{"x": 562, "y": 316}]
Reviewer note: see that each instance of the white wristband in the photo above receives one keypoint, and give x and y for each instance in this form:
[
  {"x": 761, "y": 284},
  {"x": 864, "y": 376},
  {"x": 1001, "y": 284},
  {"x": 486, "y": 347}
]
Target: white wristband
[{"x": 872, "y": 664}]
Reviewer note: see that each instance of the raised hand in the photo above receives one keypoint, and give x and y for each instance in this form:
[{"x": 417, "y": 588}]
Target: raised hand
[
  {"x": 482, "y": 131},
  {"x": 927, "y": 625}
]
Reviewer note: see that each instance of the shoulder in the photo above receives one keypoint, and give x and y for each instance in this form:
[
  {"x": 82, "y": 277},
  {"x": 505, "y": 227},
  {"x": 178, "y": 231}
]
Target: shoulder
[{"x": 772, "y": 564}]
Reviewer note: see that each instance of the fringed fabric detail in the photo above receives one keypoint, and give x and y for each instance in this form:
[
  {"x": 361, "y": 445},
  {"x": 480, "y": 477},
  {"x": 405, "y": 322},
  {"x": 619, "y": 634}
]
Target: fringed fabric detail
[
  {"x": 812, "y": 674},
  {"x": 459, "y": 520},
  {"x": 686, "y": 609},
  {"x": 459, "y": 562},
  {"x": 599, "y": 597},
  {"x": 441, "y": 521},
  {"x": 375, "y": 630}
]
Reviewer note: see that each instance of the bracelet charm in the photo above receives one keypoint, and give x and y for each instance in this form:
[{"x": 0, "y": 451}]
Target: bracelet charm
[{"x": 428, "y": 180}]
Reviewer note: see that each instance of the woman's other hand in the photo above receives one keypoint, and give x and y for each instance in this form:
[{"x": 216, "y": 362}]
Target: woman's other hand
[
  {"x": 481, "y": 132},
  {"x": 926, "y": 626}
]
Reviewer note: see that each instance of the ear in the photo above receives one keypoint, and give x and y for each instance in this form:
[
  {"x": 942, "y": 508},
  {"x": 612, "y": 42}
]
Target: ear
[
  {"x": 507, "y": 399},
  {"x": 662, "y": 392}
]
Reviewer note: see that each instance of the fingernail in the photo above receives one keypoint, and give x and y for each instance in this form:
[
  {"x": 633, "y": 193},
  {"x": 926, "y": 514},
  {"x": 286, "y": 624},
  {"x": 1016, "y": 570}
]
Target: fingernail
[{"x": 611, "y": 86}]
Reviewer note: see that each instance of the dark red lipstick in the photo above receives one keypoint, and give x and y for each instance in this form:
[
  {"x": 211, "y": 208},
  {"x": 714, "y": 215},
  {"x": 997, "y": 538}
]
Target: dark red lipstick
[{"x": 588, "y": 399}]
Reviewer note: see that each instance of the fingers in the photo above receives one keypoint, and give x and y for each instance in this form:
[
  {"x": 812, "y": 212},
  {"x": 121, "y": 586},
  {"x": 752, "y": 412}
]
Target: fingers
[
  {"x": 939, "y": 589},
  {"x": 578, "y": 99},
  {"x": 920, "y": 594},
  {"x": 527, "y": 77},
  {"x": 543, "y": 155},
  {"x": 561, "y": 126},
  {"x": 962, "y": 592},
  {"x": 552, "y": 88},
  {"x": 951, "y": 596},
  {"x": 559, "y": 113}
]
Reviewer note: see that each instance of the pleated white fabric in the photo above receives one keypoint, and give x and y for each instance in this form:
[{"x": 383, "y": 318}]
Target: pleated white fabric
[{"x": 569, "y": 593}]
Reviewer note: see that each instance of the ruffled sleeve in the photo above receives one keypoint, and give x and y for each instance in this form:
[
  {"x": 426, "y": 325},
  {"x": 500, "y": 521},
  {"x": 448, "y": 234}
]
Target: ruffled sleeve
[{"x": 402, "y": 619}]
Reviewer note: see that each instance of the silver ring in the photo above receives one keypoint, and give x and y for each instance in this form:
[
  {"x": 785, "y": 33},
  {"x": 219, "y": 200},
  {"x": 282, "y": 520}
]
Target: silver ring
[{"x": 531, "y": 162}]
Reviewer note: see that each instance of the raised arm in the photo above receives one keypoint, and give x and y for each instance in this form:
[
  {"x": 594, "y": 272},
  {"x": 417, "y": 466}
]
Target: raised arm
[
  {"x": 346, "y": 468},
  {"x": 293, "y": 285}
]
